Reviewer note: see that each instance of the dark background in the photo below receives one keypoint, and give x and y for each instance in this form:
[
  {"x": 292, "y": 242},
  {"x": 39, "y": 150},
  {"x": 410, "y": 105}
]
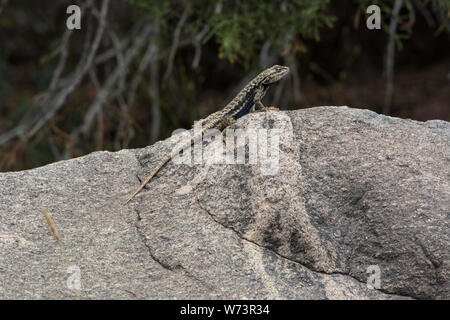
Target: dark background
[{"x": 139, "y": 69}]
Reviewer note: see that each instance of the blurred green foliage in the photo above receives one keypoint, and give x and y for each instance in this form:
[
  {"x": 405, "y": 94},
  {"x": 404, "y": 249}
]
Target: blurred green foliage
[{"x": 242, "y": 26}]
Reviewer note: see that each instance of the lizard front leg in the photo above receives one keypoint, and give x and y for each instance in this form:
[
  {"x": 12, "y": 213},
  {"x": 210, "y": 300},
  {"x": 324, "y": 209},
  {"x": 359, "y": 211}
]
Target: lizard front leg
[
  {"x": 258, "y": 105},
  {"x": 259, "y": 94}
]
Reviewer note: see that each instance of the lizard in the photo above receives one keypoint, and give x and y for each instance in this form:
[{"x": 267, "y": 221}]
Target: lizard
[{"x": 247, "y": 100}]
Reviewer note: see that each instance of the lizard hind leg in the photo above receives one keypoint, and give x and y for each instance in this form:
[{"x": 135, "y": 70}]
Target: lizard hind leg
[
  {"x": 150, "y": 176},
  {"x": 229, "y": 123}
]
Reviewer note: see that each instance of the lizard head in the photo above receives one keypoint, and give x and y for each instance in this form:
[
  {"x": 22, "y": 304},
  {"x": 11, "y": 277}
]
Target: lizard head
[{"x": 274, "y": 74}]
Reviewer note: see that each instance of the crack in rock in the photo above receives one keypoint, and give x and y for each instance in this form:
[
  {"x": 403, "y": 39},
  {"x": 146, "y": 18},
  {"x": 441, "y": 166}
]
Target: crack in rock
[{"x": 287, "y": 258}]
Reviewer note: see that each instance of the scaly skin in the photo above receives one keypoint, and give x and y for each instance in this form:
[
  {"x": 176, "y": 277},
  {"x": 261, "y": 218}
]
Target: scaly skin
[{"x": 247, "y": 100}]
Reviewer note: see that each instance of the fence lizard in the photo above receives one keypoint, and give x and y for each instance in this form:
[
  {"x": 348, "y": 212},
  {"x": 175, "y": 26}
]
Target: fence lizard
[{"x": 247, "y": 100}]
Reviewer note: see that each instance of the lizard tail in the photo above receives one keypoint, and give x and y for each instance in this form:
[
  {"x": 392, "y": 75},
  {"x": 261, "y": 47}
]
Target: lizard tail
[{"x": 149, "y": 177}]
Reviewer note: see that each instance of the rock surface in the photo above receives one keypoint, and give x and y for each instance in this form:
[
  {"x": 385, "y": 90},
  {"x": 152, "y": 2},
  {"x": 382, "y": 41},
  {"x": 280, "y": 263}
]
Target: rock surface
[{"x": 355, "y": 191}]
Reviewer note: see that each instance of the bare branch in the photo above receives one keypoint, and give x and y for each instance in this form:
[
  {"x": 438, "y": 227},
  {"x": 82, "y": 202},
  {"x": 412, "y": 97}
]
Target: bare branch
[
  {"x": 149, "y": 55},
  {"x": 63, "y": 49},
  {"x": 390, "y": 56},
  {"x": 105, "y": 93},
  {"x": 120, "y": 128},
  {"x": 425, "y": 13},
  {"x": 82, "y": 69},
  {"x": 54, "y": 102},
  {"x": 198, "y": 46},
  {"x": 175, "y": 43},
  {"x": 111, "y": 53},
  {"x": 155, "y": 106}
]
